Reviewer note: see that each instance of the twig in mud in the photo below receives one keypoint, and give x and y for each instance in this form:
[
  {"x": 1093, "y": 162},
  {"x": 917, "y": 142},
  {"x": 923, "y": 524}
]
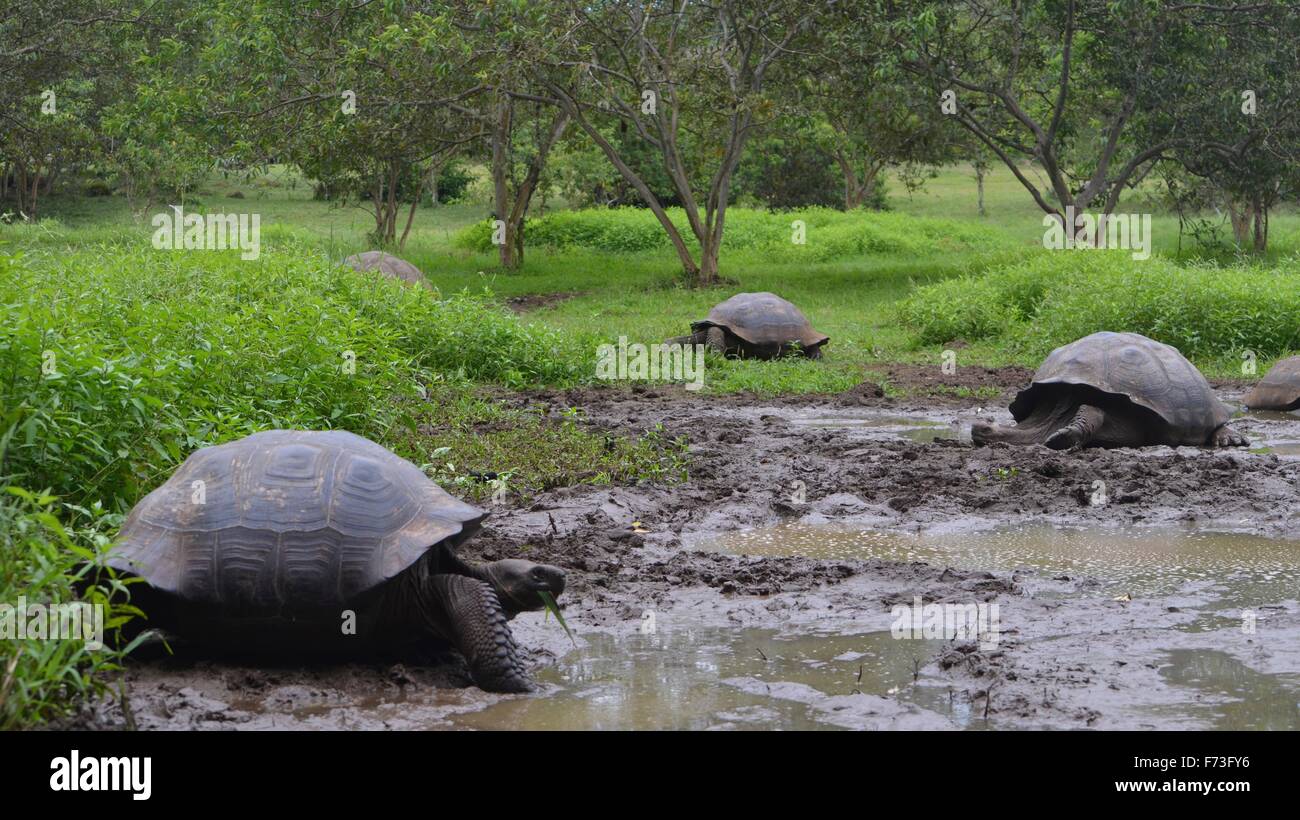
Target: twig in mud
[
  {"x": 554, "y": 529},
  {"x": 988, "y": 699},
  {"x": 916, "y": 669},
  {"x": 859, "y": 680},
  {"x": 760, "y": 653},
  {"x": 124, "y": 696}
]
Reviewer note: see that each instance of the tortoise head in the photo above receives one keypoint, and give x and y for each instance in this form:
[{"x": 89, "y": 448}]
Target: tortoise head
[{"x": 518, "y": 583}]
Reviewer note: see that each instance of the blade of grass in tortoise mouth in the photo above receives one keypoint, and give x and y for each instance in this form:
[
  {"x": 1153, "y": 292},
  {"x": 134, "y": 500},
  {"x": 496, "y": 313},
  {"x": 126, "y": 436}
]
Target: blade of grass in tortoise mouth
[{"x": 551, "y": 607}]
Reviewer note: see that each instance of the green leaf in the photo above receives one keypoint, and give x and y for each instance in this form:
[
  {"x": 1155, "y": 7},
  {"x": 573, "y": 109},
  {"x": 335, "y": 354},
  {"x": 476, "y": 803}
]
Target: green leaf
[{"x": 552, "y": 607}]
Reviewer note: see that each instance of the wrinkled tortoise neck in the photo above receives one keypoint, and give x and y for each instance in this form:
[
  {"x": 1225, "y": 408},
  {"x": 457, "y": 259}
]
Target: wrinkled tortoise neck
[{"x": 451, "y": 564}]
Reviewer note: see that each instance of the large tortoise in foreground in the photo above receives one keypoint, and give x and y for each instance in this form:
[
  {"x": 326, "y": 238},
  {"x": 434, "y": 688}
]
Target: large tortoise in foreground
[
  {"x": 386, "y": 264},
  {"x": 291, "y": 542},
  {"x": 1115, "y": 390},
  {"x": 756, "y": 325},
  {"x": 1279, "y": 389}
]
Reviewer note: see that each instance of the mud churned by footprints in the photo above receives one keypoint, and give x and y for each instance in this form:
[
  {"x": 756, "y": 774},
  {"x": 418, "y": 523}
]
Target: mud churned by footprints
[{"x": 1069, "y": 656}]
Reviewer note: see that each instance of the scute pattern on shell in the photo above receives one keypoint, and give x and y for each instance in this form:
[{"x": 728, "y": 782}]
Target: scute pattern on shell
[
  {"x": 292, "y": 518},
  {"x": 1279, "y": 389},
  {"x": 763, "y": 318},
  {"x": 1146, "y": 372}
]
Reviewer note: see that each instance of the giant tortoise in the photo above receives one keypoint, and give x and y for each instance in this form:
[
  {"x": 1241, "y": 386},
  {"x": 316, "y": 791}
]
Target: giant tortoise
[
  {"x": 1115, "y": 390},
  {"x": 386, "y": 264},
  {"x": 1279, "y": 389},
  {"x": 756, "y": 325},
  {"x": 324, "y": 542}
]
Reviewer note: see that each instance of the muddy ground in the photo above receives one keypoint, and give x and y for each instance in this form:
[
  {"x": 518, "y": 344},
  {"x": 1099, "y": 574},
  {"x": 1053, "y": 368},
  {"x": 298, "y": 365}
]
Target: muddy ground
[{"x": 1067, "y": 659}]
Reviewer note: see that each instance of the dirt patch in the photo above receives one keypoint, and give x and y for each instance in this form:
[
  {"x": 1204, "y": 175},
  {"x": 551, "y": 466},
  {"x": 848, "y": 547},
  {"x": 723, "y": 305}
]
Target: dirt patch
[
  {"x": 967, "y": 381},
  {"x": 536, "y": 301},
  {"x": 1069, "y": 660},
  {"x": 906, "y": 387}
]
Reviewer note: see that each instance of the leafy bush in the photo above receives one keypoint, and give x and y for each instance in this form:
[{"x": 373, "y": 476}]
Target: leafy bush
[
  {"x": 42, "y": 562},
  {"x": 115, "y": 364},
  {"x": 830, "y": 234},
  {"x": 1051, "y": 299}
]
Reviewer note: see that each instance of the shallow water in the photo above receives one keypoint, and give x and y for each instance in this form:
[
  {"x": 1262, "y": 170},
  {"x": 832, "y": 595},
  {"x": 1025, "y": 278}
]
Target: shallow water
[
  {"x": 1251, "y": 569},
  {"x": 675, "y": 679},
  {"x": 1232, "y": 695},
  {"x": 1244, "y": 571},
  {"x": 909, "y": 427}
]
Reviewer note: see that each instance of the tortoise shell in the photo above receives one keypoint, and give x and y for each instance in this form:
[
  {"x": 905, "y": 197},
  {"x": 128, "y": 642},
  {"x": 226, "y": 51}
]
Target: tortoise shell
[
  {"x": 288, "y": 519},
  {"x": 1131, "y": 366},
  {"x": 386, "y": 264},
  {"x": 763, "y": 319},
  {"x": 1279, "y": 389}
]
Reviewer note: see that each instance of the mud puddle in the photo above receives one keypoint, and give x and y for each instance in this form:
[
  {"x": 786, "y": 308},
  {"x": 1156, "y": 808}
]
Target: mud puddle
[
  {"x": 1246, "y": 570},
  {"x": 1235, "y": 580},
  {"x": 911, "y": 428},
  {"x": 1271, "y": 432},
  {"x": 690, "y": 677},
  {"x": 1231, "y": 695}
]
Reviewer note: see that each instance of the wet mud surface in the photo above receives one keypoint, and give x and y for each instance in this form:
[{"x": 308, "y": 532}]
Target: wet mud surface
[{"x": 678, "y": 628}]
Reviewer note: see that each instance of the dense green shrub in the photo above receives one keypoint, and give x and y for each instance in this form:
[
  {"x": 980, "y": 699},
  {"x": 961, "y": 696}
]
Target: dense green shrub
[
  {"x": 829, "y": 234},
  {"x": 42, "y": 561},
  {"x": 115, "y": 363},
  {"x": 1055, "y": 297}
]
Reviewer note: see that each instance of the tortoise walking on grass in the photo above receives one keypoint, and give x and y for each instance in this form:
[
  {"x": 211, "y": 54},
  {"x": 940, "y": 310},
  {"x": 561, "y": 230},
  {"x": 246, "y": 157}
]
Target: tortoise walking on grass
[
  {"x": 756, "y": 325},
  {"x": 386, "y": 264},
  {"x": 1279, "y": 389},
  {"x": 1115, "y": 390},
  {"x": 275, "y": 542}
]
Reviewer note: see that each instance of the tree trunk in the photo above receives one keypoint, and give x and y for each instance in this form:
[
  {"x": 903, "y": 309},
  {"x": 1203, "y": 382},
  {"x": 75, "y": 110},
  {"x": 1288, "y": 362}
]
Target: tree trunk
[
  {"x": 1239, "y": 214},
  {"x": 500, "y": 180},
  {"x": 857, "y": 190},
  {"x": 390, "y": 204},
  {"x": 652, "y": 202},
  {"x": 377, "y": 200},
  {"x": 21, "y": 187},
  {"x": 1261, "y": 225},
  {"x": 979, "y": 188},
  {"x": 707, "y": 275},
  {"x": 415, "y": 202}
]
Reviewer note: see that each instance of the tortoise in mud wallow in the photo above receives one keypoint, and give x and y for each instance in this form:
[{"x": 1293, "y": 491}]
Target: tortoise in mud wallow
[
  {"x": 275, "y": 543},
  {"x": 756, "y": 325},
  {"x": 1279, "y": 389},
  {"x": 1115, "y": 390},
  {"x": 386, "y": 264}
]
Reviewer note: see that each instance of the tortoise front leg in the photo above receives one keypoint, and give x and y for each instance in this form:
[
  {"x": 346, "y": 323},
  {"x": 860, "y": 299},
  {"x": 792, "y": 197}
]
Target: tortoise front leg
[
  {"x": 471, "y": 617},
  {"x": 716, "y": 338},
  {"x": 1079, "y": 432},
  {"x": 1225, "y": 436}
]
